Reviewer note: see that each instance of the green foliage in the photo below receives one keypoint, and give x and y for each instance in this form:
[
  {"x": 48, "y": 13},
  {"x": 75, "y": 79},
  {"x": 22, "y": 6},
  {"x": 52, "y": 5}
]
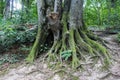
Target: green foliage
[
  {"x": 102, "y": 13},
  {"x": 25, "y": 37},
  {"x": 118, "y": 37},
  {"x": 10, "y": 36},
  {"x": 26, "y": 15},
  {"x": 44, "y": 48},
  {"x": 10, "y": 58},
  {"x": 21, "y": 17},
  {"x": 5, "y": 24},
  {"x": 66, "y": 54},
  {"x": 25, "y": 48}
]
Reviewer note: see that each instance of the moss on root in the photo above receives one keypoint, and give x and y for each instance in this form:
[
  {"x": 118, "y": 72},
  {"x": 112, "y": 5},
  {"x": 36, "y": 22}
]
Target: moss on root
[
  {"x": 75, "y": 60},
  {"x": 80, "y": 46},
  {"x": 34, "y": 51},
  {"x": 98, "y": 48},
  {"x": 75, "y": 40}
]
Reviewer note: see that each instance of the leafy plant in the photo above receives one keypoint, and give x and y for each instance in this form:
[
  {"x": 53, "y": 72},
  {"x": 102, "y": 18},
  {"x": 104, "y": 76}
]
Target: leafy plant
[
  {"x": 118, "y": 37},
  {"x": 44, "y": 48},
  {"x": 10, "y": 36},
  {"x": 66, "y": 54},
  {"x": 25, "y": 37}
]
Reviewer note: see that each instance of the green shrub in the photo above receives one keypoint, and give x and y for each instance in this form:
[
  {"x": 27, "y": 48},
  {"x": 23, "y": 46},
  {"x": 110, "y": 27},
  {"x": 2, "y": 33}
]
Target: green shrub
[
  {"x": 10, "y": 36},
  {"x": 66, "y": 54},
  {"x": 44, "y": 48},
  {"x": 118, "y": 37}
]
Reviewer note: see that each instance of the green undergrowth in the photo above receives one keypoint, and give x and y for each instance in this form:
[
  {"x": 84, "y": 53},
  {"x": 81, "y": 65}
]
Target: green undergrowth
[
  {"x": 11, "y": 58},
  {"x": 10, "y": 36},
  {"x": 118, "y": 37}
]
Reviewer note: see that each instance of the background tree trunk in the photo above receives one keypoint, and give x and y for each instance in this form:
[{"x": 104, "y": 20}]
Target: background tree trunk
[
  {"x": 12, "y": 8},
  {"x": 7, "y": 10}
]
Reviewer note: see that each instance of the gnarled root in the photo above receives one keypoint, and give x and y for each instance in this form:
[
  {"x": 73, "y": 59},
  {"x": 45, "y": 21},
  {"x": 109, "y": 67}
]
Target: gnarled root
[{"x": 80, "y": 46}]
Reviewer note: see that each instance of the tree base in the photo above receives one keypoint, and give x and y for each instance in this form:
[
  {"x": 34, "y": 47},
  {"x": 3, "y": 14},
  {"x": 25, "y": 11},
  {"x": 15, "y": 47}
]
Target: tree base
[
  {"x": 79, "y": 44},
  {"x": 74, "y": 44}
]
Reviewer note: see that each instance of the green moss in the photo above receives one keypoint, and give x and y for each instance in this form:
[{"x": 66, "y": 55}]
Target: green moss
[
  {"x": 75, "y": 60},
  {"x": 102, "y": 50},
  {"x": 82, "y": 44},
  {"x": 75, "y": 40},
  {"x": 64, "y": 21},
  {"x": 33, "y": 52},
  {"x": 98, "y": 48}
]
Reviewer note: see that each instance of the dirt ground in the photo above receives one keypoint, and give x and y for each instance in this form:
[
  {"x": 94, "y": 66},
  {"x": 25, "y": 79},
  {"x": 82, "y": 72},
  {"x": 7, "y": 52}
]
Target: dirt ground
[{"x": 40, "y": 71}]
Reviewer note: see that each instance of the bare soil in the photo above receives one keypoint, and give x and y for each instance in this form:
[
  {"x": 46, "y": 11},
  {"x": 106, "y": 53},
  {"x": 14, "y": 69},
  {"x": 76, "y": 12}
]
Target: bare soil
[{"x": 40, "y": 71}]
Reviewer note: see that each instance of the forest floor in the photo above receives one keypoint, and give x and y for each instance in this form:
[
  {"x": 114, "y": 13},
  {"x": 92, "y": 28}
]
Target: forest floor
[{"x": 40, "y": 71}]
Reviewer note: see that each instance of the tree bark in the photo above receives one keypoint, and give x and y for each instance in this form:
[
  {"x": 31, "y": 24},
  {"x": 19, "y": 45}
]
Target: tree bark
[
  {"x": 7, "y": 10},
  {"x": 69, "y": 32},
  {"x": 12, "y": 8},
  {"x": 34, "y": 51},
  {"x": 76, "y": 13}
]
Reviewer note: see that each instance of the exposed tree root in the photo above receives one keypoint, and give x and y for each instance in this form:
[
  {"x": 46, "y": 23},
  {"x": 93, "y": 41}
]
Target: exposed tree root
[
  {"x": 51, "y": 55},
  {"x": 76, "y": 40},
  {"x": 35, "y": 47},
  {"x": 40, "y": 39},
  {"x": 78, "y": 44},
  {"x": 75, "y": 60}
]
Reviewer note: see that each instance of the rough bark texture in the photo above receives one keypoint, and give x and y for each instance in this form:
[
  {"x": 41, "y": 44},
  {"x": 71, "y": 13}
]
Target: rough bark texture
[
  {"x": 76, "y": 13},
  {"x": 34, "y": 51},
  {"x": 12, "y": 8},
  {"x": 7, "y": 10},
  {"x": 69, "y": 37}
]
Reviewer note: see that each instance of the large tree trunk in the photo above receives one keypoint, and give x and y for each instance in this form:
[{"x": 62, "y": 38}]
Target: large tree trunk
[
  {"x": 68, "y": 30},
  {"x": 41, "y": 32}
]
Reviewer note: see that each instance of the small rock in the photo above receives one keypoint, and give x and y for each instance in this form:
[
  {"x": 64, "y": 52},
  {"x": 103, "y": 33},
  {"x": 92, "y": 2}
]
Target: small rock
[
  {"x": 22, "y": 70},
  {"x": 40, "y": 76},
  {"x": 45, "y": 66},
  {"x": 116, "y": 70},
  {"x": 31, "y": 69},
  {"x": 56, "y": 77}
]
